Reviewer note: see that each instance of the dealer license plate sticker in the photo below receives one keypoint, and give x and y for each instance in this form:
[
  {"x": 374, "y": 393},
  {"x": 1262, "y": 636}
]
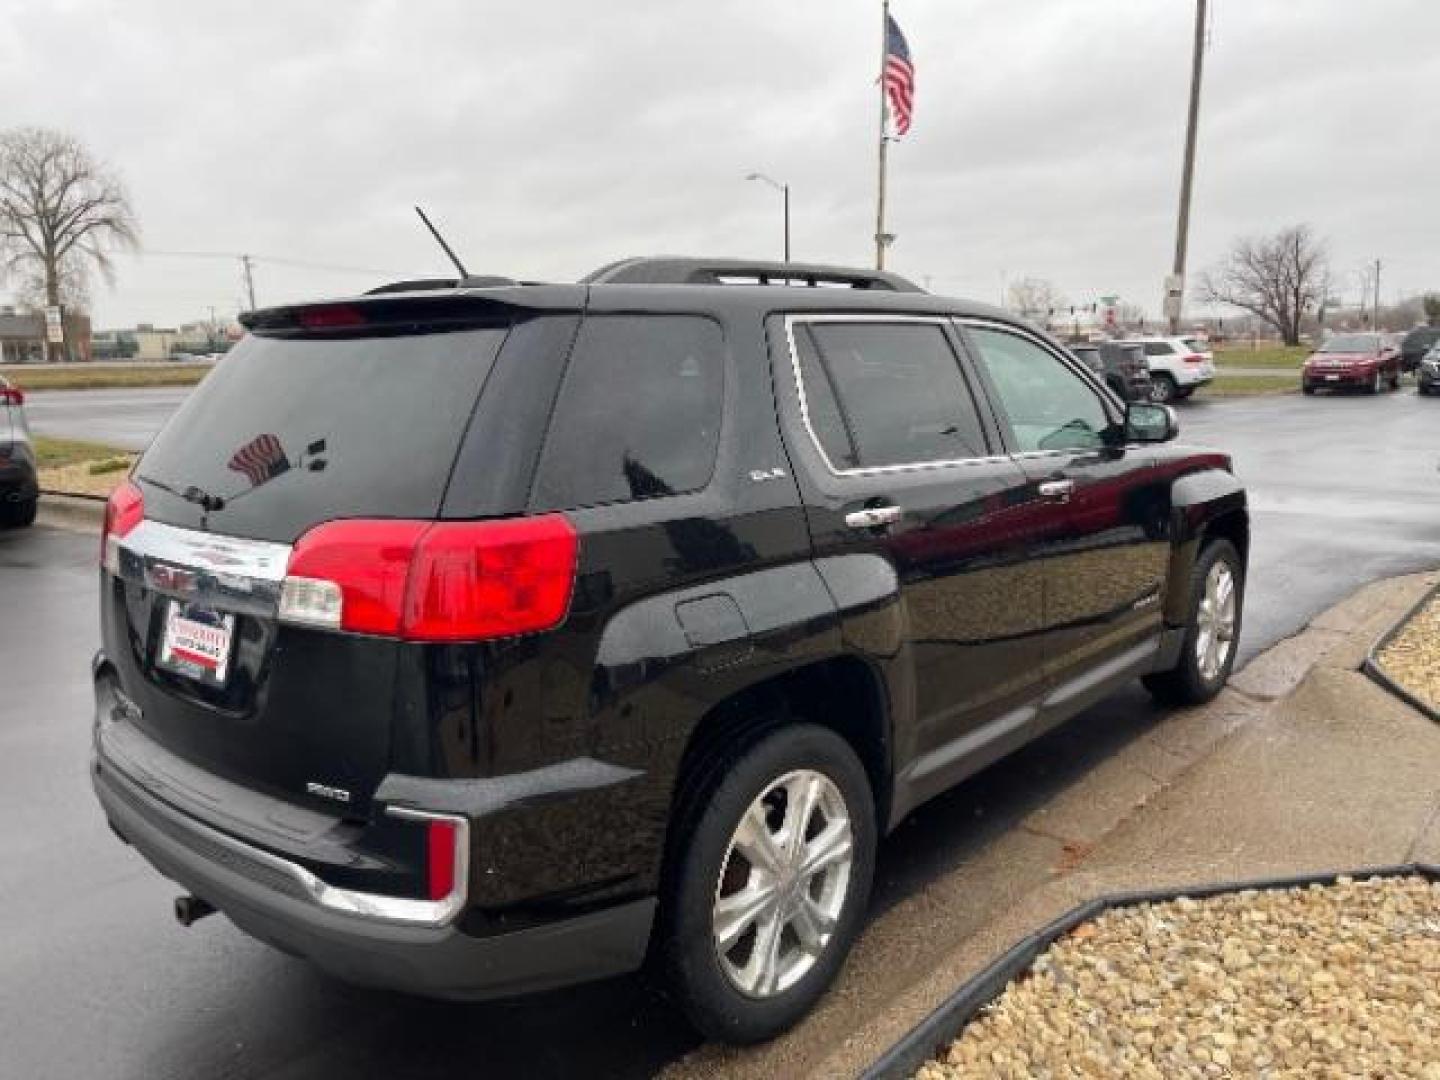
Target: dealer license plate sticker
[{"x": 196, "y": 642}]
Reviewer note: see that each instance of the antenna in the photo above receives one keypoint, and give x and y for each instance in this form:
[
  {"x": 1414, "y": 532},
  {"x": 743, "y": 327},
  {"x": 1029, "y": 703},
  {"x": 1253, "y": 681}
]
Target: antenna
[{"x": 441, "y": 241}]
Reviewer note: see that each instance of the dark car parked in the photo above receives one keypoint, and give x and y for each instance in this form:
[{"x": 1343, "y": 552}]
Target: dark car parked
[
  {"x": 19, "y": 491},
  {"x": 476, "y": 640},
  {"x": 1352, "y": 362},
  {"x": 1416, "y": 344},
  {"x": 1427, "y": 378},
  {"x": 1123, "y": 368}
]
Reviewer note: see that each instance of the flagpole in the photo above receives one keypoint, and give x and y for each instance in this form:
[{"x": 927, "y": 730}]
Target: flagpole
[{"x": 880, "y": 187}]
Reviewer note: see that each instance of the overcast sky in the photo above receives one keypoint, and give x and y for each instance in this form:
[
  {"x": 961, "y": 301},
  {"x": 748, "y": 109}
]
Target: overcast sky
[{"x": 550, "y": 136}]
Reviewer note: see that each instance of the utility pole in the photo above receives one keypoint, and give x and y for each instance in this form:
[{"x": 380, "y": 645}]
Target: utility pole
[
  {"x": 1175, "y": 291},
  {"x": 1377, "y": 294},
  {"x": 246, "y": 263},
  {"x": 881, "y": 237}
]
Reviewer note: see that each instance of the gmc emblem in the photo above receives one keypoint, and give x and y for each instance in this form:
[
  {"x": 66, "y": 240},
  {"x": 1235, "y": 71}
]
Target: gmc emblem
[{"x": 171, "y": 579}]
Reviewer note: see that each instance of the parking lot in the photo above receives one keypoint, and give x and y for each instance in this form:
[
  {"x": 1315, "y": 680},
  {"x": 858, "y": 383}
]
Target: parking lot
[{"x": 1342, "y": 490}]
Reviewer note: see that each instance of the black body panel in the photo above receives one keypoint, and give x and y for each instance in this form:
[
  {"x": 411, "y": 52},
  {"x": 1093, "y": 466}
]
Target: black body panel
[{"x": 984, "y": 613}]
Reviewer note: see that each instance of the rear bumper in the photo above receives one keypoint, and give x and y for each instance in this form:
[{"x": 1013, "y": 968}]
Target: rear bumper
[
  {"x": 1195, "y": 376},
  {"x": 435, "y": 961}
]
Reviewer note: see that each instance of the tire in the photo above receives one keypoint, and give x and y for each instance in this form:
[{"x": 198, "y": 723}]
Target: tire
[
  {"x": 728, "y": 993},
  {"x": 1306, "y": 388},
  {"x": 1183, "y": 394},
  {"x": 19, "y": 514},
  {"x": 1395, "y": 381},
  {"x": 1162, "y": 388},
  {"x": 1192, "y": 681}
]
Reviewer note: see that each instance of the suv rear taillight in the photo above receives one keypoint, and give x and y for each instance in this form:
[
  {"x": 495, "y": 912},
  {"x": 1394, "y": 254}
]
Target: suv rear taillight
[
  {"x": 124, "y": 510},
  {"x": 1194, "y": 358},
  {"x": 433, "y": 581},
  {"x": 12, "y": 395}
]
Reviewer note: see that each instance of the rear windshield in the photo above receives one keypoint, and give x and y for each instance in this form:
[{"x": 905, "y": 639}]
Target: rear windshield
[
  {"x": 1351, "y": 343},
  {"x": 287, "y": 433}
]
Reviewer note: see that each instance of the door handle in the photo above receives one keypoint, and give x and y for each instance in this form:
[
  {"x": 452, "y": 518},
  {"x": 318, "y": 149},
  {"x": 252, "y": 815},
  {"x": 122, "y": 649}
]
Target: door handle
[
  {"x": 873, "y": 517},
  {"x": 1057, "y": 490}
]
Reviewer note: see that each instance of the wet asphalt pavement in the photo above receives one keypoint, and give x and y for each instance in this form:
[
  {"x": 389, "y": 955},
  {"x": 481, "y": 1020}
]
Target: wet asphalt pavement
[
  {"x": 127, "y": 418},
  {"x": 97, "y": 980}
]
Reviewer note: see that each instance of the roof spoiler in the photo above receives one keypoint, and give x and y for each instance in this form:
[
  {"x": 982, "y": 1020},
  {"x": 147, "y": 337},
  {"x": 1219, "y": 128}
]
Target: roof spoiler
[
  {"x": 676, "y": 270},
  {"x": 470, "y": 281}
]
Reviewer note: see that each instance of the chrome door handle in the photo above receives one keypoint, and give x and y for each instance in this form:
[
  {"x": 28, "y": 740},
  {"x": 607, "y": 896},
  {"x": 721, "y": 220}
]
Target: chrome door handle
[
  {"x": 873, "y": 517},
  {"x": 1057, "y": 490}
]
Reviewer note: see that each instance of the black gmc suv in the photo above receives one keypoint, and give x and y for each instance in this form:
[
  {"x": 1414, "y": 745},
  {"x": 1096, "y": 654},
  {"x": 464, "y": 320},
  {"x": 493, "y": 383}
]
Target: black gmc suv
[{"x": 477, "y": 639}]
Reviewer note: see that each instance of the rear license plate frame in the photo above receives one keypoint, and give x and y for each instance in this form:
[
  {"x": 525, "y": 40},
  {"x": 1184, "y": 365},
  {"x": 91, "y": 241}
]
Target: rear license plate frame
[{"x": 197, "y": 642}]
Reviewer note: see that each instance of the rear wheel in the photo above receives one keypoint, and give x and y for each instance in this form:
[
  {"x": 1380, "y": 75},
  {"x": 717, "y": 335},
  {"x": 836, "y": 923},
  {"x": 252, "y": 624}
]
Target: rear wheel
[
  {"x": 770, "y": 883},
  {"x": 19, "y": 514},
  {"x": 1212, "y": 630},
  {"x": 1162, "y": 388},
  {"x": 1395, "y": 380}
]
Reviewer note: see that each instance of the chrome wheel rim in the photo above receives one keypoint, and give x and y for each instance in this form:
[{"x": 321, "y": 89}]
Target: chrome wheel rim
[
  {"x": 1215, "y": 622},
  {"x": 783, "y": 884}
]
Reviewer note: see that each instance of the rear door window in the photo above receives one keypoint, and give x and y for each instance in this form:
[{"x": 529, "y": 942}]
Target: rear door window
[
  {"x": 638, "y": 414},
  {"x": 285, "y": 433},
  {"x": 886, "y": 393},
  {"x": 1158, "y": 348}
]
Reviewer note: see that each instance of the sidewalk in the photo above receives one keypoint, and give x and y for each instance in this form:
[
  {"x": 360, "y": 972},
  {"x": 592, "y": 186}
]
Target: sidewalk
[{"x": 1304, "y": 765}]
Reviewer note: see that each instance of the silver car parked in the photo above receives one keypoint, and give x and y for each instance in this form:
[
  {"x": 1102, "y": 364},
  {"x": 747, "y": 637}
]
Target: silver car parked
[{"x": 19, "y": 490}]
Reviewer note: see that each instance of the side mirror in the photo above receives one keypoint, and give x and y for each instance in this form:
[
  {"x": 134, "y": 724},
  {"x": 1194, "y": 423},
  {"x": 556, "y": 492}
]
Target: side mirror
[{"x": 1147, "y": 422}]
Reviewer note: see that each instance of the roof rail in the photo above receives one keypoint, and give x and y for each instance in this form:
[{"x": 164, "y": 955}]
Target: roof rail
[
  {"x": 678, "y": 270},
  {"x": 473, "y": 281}
]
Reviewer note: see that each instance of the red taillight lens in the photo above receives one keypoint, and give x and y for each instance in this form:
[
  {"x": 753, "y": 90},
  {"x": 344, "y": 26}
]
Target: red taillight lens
[
  {"x": 368, "y": 560},
  {"x": 1194, "y": 358},
  {"x": 12, "y": 395},
  {"x": 476, "y": 580},
  {"x": 440, "y": 858},
  {"x": 331, "y": 317},
  {"x": 124, "y": 510},
  {"x": 442, "y": 581}
]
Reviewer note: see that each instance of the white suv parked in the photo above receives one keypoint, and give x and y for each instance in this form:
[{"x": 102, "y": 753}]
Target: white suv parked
[{"x": 1178, "y": 366}]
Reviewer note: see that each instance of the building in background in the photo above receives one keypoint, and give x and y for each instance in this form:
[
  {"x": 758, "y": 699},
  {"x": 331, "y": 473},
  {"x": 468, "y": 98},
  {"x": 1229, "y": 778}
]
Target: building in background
[{"x": 22, "y": 336}]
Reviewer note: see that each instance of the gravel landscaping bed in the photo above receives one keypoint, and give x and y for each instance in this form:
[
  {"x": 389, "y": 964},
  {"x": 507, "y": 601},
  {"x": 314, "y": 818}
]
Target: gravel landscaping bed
[
  {"x": 1335, "y": 980},
  {"x": 1412, "y": 657}
]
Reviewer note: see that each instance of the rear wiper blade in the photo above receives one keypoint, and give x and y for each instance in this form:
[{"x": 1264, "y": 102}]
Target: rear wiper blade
[{"x": 192, "y": 494}]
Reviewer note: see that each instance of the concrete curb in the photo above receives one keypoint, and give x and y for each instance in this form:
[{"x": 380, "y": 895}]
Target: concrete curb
[
  {"x": 1373, "y": 668},
  {"x": 933, "y": 1034},
  {"x": 80, "y": 513}
]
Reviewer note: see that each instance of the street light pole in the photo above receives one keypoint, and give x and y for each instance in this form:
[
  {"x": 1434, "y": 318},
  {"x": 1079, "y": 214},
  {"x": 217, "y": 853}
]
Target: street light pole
[
  {"x": 784, "y": 190},
  {"x": 1175, "y": 297}
]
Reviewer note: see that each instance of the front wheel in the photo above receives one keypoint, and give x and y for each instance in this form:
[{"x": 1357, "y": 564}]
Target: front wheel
[
  {"x": 770, "y": 882},
  {"x": 1212, "y": 630}
]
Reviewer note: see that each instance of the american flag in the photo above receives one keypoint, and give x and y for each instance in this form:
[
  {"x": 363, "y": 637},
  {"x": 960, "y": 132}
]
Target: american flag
[
  {"x": 899, "y": 76},
  {"x": 260, "y": 459}
]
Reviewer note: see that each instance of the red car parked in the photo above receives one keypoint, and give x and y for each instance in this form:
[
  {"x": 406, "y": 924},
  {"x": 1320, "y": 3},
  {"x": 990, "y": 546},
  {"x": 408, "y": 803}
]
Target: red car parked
[{"x": 1357, "y": 361}]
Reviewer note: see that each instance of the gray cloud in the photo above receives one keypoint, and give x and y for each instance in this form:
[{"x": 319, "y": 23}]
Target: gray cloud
[{"x": 551, "y": 136}]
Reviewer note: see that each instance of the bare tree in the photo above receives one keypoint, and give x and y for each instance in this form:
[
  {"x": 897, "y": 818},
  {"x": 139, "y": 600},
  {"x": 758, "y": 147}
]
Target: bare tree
[
  {"x": 62, "y": 214},
  {"x": 1431, "y": 302},
  {"x": 1276, "y": 278},
  {"x": 1035, "y": 298}
]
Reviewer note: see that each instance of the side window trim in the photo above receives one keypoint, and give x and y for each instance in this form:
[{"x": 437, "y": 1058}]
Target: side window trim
[
  {"x": 1002, "y": 421},
  {"x": 945, "y": 324}
]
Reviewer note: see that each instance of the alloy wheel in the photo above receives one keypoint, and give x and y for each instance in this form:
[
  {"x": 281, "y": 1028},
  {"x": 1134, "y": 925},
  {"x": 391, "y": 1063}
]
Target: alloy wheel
[
  {"x": 783, "y": 884},
  {"x": 1215, "y": 621}
]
